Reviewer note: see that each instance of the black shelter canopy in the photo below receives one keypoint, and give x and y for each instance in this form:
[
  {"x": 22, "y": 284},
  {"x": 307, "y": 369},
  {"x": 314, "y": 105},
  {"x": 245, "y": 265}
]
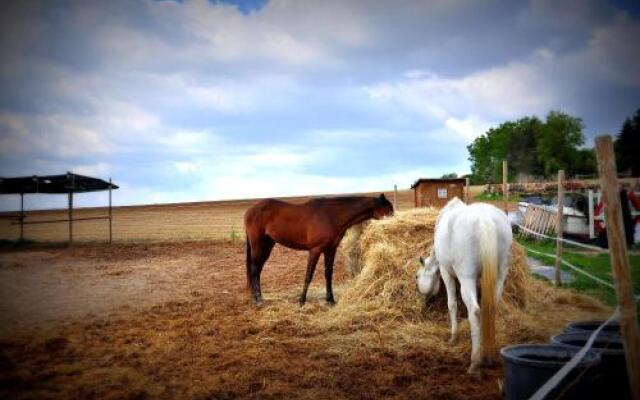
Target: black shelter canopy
[
  {"x": 68, "y": 184},
  {"x": 53, "y": 184}
]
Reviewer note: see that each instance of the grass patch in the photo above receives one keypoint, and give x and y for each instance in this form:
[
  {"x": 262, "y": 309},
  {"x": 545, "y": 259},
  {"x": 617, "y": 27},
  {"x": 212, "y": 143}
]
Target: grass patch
[
  {"x": 597, "y": 264},
  {"x": 497, "y": 197}
]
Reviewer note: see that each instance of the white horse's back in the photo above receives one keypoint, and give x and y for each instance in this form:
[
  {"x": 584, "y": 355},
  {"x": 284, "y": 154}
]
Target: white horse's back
[{"x": 458, "y": 234}]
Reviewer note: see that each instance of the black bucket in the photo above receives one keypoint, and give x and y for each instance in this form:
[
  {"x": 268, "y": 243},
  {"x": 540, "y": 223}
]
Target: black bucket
[
  {"x": 529, "y": 366},
  {"x": 612, "y": 328},
  {"x": 613, "y": 367}
]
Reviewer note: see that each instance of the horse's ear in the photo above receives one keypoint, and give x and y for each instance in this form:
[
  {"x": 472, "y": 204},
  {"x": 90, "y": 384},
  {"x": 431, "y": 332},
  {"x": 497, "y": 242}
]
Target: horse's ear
[{"x": 382, "y": 196}]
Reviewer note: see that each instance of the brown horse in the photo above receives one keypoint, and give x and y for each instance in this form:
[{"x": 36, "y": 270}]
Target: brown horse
[{"x": 317, "y": 226}]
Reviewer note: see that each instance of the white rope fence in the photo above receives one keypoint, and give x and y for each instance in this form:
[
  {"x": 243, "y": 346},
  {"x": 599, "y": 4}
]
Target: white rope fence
[
  {"x": 573, "y": 267},
  {"x": 571, "y": 242},
  {"x": 568, "y": 264}
]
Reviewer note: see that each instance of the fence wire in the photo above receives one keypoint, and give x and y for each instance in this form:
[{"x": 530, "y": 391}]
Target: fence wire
[
  {"x": 571, "y": 242},
  {"x": 577, "y": 269}
]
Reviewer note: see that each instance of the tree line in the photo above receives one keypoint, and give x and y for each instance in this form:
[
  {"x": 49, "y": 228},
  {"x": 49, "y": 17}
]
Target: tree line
[{"x": 537, "y": 149}]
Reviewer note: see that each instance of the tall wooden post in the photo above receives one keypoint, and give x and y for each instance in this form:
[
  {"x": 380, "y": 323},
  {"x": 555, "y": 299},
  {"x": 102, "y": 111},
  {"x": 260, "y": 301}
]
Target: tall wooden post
[
  {"x": 110, "y": 215},
  {"x": 395, "y": 197},
  {"x": 467, "y": 195},
  {"x": 619, "y": 260},
  {"x": 505, "y": 186},
  {"x": 559, "y": 226},
  {"x": 70, "y": 216},
  {"x": 70, "y": 211},
  {"x": 21, "y": 216}
]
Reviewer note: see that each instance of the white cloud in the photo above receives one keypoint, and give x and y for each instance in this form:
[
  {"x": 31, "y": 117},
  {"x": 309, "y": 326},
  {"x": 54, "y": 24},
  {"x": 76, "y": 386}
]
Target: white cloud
[
  {"x": 467, "y": 106},
  {"x": 469, "y": 128},
  {"x": 185, "y": 167}
]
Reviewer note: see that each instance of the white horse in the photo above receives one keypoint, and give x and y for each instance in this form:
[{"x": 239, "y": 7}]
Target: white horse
[{"x": 471, "y": 242}]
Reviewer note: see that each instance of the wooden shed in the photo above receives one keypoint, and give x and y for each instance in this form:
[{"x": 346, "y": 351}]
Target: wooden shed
[{"x": 437, "y": 192}]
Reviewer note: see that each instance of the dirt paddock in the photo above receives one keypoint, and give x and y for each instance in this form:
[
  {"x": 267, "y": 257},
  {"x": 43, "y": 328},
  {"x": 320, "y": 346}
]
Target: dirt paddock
[{"x": 173, "y": 320}]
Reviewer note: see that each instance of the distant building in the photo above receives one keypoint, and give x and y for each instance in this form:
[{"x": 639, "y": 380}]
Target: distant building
[{"x": 437, "y": 192}]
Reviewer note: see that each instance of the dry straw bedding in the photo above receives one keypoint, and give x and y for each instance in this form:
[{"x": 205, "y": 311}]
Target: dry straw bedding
[
  {"x": 379, "y": 341},
  {"x": 380, "y": 307}
]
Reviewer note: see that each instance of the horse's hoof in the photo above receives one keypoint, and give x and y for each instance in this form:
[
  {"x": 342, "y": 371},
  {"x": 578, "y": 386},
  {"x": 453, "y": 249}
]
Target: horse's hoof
[
  {"x": 301, "y": 302},
  {"x": 473, "y": 370},
  {"x": 259, "y": 303},
  {"x": 453, "y": 340},
  {"x": 331, "y": 302}
]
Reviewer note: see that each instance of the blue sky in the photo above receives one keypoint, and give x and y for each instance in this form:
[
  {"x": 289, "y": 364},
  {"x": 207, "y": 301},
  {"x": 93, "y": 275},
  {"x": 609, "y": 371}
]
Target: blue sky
[{"x": 207, "y": 100}]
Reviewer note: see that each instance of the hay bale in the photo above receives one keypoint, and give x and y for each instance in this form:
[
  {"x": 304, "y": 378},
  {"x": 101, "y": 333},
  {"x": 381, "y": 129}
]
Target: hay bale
[
  {"x": 387, "y": 252},
  {"x": 351, "y": 249}
]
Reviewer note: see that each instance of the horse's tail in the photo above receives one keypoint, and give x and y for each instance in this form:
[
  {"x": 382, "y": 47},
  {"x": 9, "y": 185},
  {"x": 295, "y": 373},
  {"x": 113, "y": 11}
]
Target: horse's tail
[
  {"x": 247, "y": 245},
  {"x": 489, "y": 260}
]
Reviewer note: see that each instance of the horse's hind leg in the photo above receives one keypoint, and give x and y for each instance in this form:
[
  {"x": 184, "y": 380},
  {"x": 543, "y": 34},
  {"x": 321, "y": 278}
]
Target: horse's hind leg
[
  {"x": 452, "y": 302},
  {"x": 470, "y": 297},
  {"x": 329, "y": 257},
  {"x": 311, "y": 267},
  {"x": 260, "y": 251}
]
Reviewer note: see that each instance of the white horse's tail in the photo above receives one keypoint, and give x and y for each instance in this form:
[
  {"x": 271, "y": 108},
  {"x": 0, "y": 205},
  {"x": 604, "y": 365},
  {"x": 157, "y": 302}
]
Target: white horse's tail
[{"x": 489, "y": 260}]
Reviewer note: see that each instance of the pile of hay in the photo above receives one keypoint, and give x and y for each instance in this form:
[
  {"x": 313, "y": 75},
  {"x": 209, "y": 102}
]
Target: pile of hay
[
  {"x": 380, "y": 306},
  {"x": 386, "y": 254}
]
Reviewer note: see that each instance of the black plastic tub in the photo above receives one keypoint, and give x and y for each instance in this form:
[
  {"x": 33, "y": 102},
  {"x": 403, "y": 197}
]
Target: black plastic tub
[
  {"x": 528, "y": 366},
  {"x": 614, "y": 381},
  {"x": 612, "y": 328}
]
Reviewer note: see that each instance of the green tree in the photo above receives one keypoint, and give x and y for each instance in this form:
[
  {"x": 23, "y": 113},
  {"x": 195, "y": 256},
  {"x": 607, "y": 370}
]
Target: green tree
[
  {"x": 511, "y": 141},
  {"x": 558, "y": 141},
  {"x": 627, "y": 146},
  {"x": 451, "y": 175},
  {"x": 531, "y": 147},
  {"x": 584, "y": 163}
]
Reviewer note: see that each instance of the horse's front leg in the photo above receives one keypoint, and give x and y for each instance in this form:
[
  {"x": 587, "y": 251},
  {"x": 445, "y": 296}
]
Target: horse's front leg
[
  {"x": 470, "y": 298},
  {"x": 452, "y": 302},
  {"x": 311, "y": 267},
  {"x": 329, "y": 257}
]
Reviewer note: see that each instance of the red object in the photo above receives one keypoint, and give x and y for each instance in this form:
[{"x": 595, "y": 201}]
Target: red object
[
  {"x": 635, "y": 201},
  {"x": 598, "y": 224}
]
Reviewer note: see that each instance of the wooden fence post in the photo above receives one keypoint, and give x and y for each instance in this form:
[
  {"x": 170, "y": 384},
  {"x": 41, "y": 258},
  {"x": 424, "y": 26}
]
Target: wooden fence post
[
  {"x": 70, "y": 186},
  {"x": 619, "y": 260},
  {"x": 110, "y": 213},
  {"x": 395, "y": 197},
  {"x": 505, "y": 186},
  {"x": 467, "y": 195},
  {"x": 21, "y": 216},
  {"x": 559, "y": 226}
]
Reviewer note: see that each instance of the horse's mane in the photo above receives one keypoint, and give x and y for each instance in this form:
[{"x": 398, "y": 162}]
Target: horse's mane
[{"x": 338, "y": 200}]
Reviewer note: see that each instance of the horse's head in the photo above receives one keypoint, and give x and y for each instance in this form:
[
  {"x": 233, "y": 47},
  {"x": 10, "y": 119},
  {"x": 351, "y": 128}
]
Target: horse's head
[
  {"x": 428, "y": 276},
  {"x": 382, "y": 207}
]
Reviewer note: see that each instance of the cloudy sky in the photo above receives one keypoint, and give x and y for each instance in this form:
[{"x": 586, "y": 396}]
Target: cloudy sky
[{"x": 205, "y": 100}]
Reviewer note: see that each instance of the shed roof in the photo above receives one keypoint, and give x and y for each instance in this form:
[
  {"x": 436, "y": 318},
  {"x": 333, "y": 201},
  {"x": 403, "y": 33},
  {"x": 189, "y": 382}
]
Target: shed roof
[
  {"x": 438, "y": 180},
  {"x": 53, "y": 184}
]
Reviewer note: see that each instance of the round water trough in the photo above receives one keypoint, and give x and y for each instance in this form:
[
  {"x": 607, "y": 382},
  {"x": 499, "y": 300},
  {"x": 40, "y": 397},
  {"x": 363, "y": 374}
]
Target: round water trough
[
  {"x": 613, "y": 377},
  {"x": 612, "y": 328},
  {"x": 528, "y": 366}
]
